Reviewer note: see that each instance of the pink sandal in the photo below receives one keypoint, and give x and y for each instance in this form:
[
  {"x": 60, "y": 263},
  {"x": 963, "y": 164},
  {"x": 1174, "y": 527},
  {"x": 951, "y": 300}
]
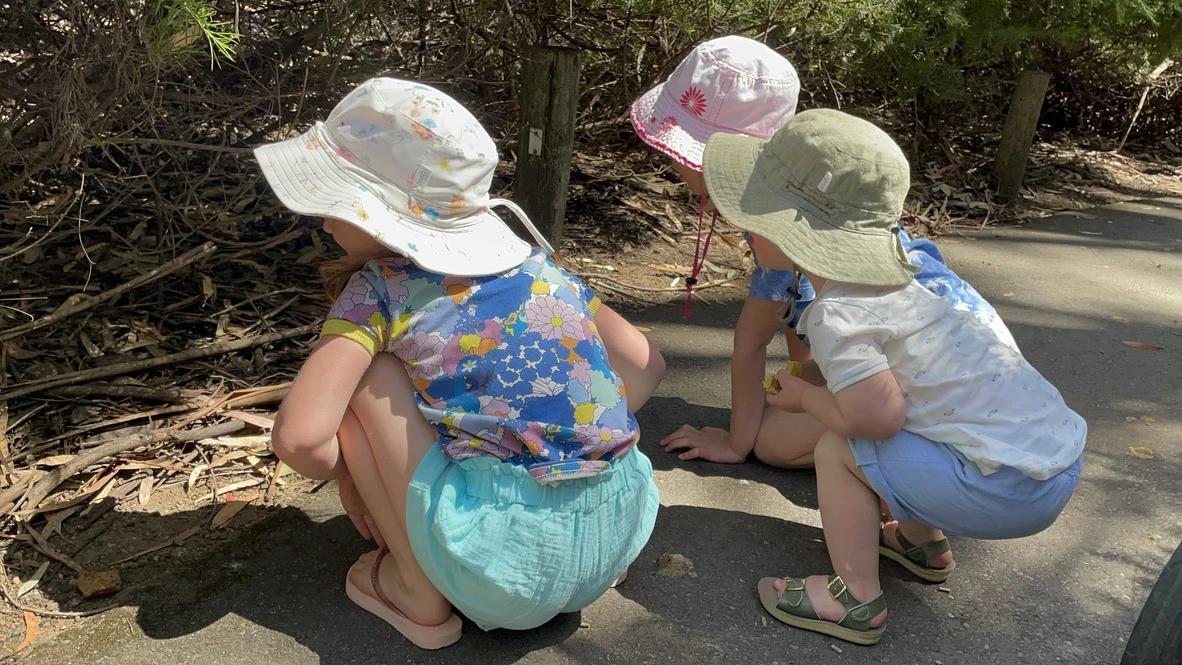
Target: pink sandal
[
  {"x": 424, "y": 637},
  {"x": 621, "y": 579}
]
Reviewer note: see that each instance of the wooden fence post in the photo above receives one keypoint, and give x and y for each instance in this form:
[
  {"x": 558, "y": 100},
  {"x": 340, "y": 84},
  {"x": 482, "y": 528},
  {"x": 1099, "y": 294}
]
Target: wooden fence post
[
  {"x": 549, "y": 99},
  {"x": 1018, "y": 133}
]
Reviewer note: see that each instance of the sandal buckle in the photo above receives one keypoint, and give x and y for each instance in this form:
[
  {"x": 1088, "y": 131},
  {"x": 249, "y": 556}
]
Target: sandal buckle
[{"x": 837, "y": 587}]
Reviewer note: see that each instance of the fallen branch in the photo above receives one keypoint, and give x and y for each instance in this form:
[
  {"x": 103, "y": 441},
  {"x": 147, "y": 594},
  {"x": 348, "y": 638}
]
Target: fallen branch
[
  {"x": 93, "y": 527},
  {"x": 126, "y": 418},
  {"x": 175, "y": 540},
  {"x": 258, "y": 396},
  {"x": 41, "y": 545},
  {"x": 1157, "y": 71},
  {"x": 12, "y": 495},
  {"x": 239, "y": 399},
  {"x": 150, "y": 276},
  {"x": 130, "y": 392},
  {"x": 50, "y": 482},
  {"x": 177, "y": 144},
  {"x": 218, "y": 348}
]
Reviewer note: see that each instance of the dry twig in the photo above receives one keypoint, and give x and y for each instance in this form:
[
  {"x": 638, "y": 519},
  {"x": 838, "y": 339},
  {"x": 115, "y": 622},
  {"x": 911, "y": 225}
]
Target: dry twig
[
  {"x": 179, "y": 262},
  {"x": 22, "y": 389},
  {"x": 43, "y": 487}
]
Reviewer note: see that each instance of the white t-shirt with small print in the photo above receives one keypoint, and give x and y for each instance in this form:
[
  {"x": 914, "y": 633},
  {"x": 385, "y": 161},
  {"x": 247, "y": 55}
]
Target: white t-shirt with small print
[{"x": 962, "y": 384}]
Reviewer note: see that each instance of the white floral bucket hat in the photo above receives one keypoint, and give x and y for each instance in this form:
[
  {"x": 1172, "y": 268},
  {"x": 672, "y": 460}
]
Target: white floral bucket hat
[
  {"x": 731, "y": 84},
  {"x": 411, "y": 167}
]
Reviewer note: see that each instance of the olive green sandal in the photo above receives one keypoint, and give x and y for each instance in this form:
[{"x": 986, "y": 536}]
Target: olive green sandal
[
  {"x": 794, "y": 608},
  {"x": 915, "y": 557}
]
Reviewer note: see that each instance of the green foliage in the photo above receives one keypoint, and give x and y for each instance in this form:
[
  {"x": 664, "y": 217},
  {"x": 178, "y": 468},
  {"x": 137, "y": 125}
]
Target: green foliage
[
  {"x": 917, "y": 63},
  {"x": 923, "y": 48},
  {"x": 917, "y": 47},
  {"x": 177, "y": 30}
]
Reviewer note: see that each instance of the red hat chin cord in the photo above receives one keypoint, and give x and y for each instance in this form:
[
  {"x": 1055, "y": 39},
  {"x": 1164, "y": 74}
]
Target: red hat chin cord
[{"x": 700, "y": 251}]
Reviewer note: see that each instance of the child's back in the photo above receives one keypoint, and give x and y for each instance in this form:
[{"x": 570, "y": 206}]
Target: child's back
[
  {"x": 963, "y": 384},
  {"x": 508, "y": 365}
]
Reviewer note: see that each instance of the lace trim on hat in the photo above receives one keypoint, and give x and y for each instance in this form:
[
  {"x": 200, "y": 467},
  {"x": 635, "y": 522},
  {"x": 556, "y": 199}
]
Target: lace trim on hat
[{"x": 660, "y": 145}]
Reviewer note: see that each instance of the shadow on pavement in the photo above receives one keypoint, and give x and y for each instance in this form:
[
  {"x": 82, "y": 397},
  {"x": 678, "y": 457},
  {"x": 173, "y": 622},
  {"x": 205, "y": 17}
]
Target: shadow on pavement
[
  {"x": 284, "y": 573},
  {"x": 662, "y": 415}
]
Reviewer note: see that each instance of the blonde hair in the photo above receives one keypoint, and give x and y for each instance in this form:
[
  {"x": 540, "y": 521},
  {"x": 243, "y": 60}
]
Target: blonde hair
[{"x": 335, "y": 274}]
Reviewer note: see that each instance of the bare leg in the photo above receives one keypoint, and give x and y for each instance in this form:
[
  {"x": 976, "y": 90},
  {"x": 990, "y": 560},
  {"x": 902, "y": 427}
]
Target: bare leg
[
  {"x": 849, "y": 514},
  {"x": 787, "y": 440},
  {"x": 383, "y": 437}
]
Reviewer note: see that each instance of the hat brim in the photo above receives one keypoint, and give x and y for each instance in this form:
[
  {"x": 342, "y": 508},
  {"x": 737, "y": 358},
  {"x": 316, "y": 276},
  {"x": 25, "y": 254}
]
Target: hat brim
[
  {"x": 309, "y": 178},
  {"x": 682, "y": 140},
  {"x": 799, "y": 229}
]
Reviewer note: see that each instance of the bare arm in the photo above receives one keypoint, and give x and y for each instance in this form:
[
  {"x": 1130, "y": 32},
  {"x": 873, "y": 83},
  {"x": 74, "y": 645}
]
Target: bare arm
[
  {"x": 305, "y": 430},
  {"x": 631, "y": 355},
  {"x": 758, "y": 324},
  {"x": 872, "y": 408}
]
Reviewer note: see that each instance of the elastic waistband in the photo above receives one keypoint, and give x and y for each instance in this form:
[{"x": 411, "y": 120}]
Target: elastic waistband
[{"x": 489, "y": 479}]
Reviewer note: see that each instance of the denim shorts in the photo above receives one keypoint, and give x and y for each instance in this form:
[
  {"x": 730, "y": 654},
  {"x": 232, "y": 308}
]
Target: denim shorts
[
  {"x": 932, "y": 482},
  {"x": 510, "y": 552}
]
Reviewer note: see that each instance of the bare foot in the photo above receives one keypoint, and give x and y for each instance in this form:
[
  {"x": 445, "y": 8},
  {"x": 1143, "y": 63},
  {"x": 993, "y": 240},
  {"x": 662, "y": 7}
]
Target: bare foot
[
  {"x": 423, "y": 605},
  {"x": 937, "y": 562},
  {"x": 827, "y": 607}
]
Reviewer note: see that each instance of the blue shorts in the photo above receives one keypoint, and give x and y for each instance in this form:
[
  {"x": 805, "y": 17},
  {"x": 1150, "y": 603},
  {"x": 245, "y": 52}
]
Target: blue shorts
[
  {"x": 510, "y": 552},
  {"x": 932, "y": 482},
  {"x": 775, "y": 285}
]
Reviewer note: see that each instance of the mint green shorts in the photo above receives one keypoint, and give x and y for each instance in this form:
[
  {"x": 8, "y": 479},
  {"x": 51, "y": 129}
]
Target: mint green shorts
[{"x": 510, "y": 552}]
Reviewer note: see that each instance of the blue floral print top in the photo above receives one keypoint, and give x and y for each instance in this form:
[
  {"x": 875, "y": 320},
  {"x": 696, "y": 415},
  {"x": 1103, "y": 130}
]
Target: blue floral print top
[{"x": 509, "y": 365}]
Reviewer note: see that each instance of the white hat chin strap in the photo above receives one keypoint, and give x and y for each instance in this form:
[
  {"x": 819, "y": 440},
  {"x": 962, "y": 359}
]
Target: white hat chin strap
[{"x": 516, "y": 210}]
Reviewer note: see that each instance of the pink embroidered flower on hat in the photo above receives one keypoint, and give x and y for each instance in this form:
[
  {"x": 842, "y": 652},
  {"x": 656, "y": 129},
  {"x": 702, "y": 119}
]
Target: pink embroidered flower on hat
[
  {"x": 693, "y": 101},
  {"x": 731, "y": 84}
]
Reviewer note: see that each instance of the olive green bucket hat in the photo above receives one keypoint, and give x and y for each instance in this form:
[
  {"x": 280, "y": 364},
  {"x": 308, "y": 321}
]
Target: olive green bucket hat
[{"x": 827, "y": 189}]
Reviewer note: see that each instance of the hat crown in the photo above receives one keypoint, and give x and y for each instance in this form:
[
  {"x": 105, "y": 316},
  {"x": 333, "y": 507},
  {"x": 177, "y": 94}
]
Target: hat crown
[
  {"x": 736, "y": 84},
  {"x": 403, "y": 137},
  {"x": 836, "y": 161}
]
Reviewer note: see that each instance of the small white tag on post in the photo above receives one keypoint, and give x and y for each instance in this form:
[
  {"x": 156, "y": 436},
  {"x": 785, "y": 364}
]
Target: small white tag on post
[{"x": 535, "y": 140}]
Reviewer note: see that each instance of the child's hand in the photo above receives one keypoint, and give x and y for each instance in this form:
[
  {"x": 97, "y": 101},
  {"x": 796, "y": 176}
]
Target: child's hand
[
  {"x": 791, "y": 389},
  {"x": 355, "y": 508},
  {"x": 709, "y": 443}
]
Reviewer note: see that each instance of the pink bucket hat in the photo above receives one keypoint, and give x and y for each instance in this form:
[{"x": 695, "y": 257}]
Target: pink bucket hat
[
  {"x": 731, "y": 84},
  {"x": 409, "y": 166}
]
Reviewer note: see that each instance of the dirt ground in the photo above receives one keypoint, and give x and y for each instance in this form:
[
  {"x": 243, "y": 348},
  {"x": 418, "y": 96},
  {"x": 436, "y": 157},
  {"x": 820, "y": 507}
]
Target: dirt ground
[{"x": 657, "y": 222}]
